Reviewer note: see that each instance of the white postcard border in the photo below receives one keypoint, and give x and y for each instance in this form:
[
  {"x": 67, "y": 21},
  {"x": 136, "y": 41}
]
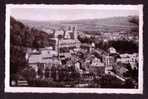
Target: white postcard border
[{"x": 8, "y": 88}]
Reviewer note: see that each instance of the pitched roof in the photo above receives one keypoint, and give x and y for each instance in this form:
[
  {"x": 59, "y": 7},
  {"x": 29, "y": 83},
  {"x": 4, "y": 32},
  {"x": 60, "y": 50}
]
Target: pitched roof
[{"x": 46, "y": 56}]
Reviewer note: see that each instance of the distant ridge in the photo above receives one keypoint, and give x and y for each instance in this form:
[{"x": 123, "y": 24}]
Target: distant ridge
[{"x": 106, "y": 24}]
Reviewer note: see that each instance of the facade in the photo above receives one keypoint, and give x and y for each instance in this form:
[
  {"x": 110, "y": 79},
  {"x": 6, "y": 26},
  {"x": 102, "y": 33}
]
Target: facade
[
  {"x": 131, "y": 59},
  {"x": 64, "y": 41},
  {"x": 97, "y": 67},
  {"x": 42, "y": 61},
  {"x": 109, "y": 62}
]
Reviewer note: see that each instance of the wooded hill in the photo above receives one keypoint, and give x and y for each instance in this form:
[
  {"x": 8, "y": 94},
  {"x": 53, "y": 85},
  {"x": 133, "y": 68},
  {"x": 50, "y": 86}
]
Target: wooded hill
[{"x": 22, "y": 37}]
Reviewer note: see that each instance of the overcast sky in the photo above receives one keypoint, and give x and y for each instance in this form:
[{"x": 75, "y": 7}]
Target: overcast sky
[{"x": 44, "y": 14}]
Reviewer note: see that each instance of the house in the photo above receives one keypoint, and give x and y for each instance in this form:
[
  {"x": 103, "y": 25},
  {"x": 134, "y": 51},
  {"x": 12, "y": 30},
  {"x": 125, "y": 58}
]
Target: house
[
  {"x": 109, "y": 62},
  {"x": 42, "y": 59},
  {"x": 131, "y": 59},
  {"x": 120, "y": 69},
  {"x": 97, "y": 67}
]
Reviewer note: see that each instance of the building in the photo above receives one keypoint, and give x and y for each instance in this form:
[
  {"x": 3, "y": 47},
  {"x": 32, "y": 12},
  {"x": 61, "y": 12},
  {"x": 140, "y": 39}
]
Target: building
[
  {"x": 109, "y": 62},
  {"x": 42, "y": 60},
  {"x": 120, "y": 69},
  {"x": 97, "y": 67},
  {"x": 131, "y": 59},
  {"x": 112, "y": 50},
  {"x": 64, "y": 41}
]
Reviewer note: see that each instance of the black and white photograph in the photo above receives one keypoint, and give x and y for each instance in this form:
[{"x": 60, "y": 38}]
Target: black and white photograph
[{"x": 74, "y": 48}]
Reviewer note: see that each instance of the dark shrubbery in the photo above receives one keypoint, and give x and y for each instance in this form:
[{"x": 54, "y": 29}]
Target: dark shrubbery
[
  {"x": 124, "y": 46},
  {"x": 109, "y": 81}
]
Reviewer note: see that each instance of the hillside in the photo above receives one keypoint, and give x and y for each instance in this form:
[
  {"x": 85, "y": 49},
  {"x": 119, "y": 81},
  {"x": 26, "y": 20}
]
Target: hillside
[
  {"x": 22, "y": 37},
  {"x": 105, "y": 25}
]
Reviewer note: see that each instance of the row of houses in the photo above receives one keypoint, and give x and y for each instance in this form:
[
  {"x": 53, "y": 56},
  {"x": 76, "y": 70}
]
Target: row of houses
[{"x": 113, "y": 35}]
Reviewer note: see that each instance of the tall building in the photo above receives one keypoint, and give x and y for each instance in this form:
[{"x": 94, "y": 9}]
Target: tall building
[
  {"x": 64, "y": 41},
  {"x": 109, "y": 62}
]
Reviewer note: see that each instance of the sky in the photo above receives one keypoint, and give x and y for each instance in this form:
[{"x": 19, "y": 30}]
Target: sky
[{"x": 46, "y": 14}]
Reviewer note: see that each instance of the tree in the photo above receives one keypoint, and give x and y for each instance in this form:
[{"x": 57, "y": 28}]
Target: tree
[
  {"x": 29, "y": 74},
  {"x": 22, "y": 37},
  {"x": 135, "y": 21},
  {"x": 109, "y": 81}
]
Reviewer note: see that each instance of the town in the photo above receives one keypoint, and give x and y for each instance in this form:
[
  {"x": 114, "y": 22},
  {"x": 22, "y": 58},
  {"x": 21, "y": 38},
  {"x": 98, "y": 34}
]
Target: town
[{"x": 80, "y": 59}]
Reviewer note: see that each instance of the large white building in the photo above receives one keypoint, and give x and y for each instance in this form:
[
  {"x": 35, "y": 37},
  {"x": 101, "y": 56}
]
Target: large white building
[
  {"x": 42, "y": 59},
  {"x": 65, "y": 41}
]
